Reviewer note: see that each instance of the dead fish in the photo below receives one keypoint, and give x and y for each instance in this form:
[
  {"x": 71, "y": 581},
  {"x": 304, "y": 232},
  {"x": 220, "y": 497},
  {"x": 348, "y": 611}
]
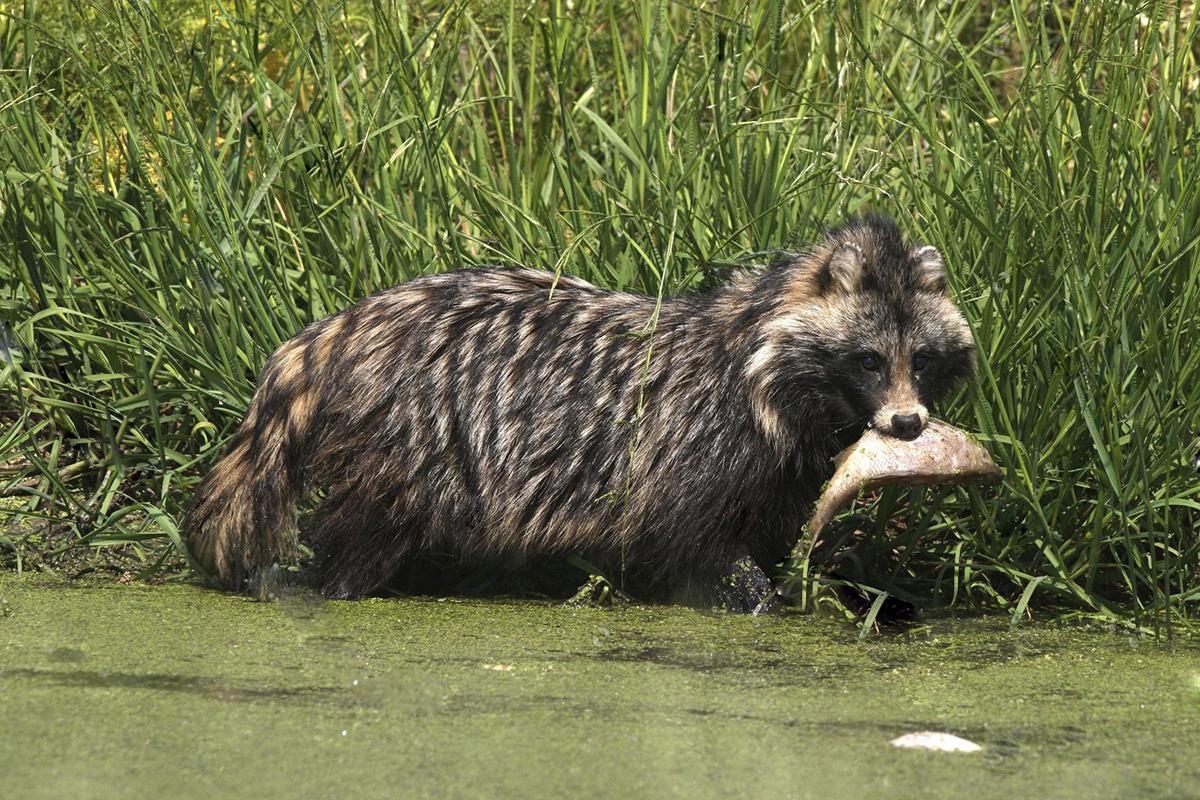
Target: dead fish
[
  {"x": 941, "y": 454},
  {"x": 935, "y": 740}
]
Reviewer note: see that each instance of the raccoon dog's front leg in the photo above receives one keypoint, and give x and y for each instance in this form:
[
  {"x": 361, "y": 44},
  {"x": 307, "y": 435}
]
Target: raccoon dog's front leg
[{"x": 744, "y": 588}]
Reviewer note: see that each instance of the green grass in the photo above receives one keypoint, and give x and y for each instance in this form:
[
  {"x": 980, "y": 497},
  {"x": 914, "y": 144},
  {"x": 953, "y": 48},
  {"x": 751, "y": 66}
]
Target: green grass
[{"x": 186, "y": 183}]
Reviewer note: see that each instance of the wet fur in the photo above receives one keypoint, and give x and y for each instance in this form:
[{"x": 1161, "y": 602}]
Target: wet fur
[{"x": 494, "y": 415}]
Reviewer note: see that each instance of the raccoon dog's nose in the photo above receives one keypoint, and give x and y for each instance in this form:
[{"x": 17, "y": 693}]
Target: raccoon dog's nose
[{"x": 907, "y": 426}]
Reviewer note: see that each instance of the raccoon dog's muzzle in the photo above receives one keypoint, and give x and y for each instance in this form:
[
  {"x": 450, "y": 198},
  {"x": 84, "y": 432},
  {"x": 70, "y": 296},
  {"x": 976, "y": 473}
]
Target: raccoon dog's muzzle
[{"x": 902, "y": 415}]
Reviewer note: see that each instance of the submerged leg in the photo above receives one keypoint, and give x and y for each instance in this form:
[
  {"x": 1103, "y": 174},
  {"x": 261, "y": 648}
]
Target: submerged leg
[
  {"x": 744, "y": 588},
  {"x": 361, "y": 569},
  {"x": 359, "y": 544}
]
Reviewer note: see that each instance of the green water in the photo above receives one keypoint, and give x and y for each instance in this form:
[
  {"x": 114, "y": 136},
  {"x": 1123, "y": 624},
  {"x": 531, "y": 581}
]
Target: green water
[{"x": 177, "y": 691}]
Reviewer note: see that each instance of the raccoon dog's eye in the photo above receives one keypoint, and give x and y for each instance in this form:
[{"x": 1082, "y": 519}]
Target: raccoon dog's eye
[
  {"x": 870, "y": 362},
  {"x": 920, "y": 361}
]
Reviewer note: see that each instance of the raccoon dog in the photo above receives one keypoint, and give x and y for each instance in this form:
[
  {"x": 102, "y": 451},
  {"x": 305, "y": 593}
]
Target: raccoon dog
[{"x": 501, "y": 414}]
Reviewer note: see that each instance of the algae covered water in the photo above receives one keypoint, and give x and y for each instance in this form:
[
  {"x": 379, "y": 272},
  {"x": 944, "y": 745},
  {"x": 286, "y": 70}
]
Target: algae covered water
[{"x": 181, "y": 691}]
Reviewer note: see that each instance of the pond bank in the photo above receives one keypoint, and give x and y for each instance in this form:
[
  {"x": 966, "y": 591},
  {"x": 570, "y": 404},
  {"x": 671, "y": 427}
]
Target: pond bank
[{"x": 185, "y": 692}]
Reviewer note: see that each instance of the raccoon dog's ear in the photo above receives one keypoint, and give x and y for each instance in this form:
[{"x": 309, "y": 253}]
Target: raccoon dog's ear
[
  {"x": 843, "y": 271},
  {"x": 929, "y": 269}
]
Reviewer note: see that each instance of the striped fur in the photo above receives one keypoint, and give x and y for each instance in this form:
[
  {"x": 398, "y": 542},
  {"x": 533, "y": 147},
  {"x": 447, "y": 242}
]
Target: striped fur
[{"x": 498, "y": 414}]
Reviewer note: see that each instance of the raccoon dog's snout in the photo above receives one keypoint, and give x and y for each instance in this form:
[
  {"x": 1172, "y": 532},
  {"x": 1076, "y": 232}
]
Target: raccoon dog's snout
[
  {"x": 903, "y": 420},
  {"x": 907, "y": 426},
  {"x": 907, "y": 423}
]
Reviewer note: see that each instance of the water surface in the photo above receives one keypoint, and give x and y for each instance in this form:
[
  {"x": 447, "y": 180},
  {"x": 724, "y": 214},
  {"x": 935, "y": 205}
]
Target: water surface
[{"x": 181, "y": 691}]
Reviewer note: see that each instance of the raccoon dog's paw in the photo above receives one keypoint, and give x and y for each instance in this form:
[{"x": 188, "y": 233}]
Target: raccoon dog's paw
[{"x": 745, "y": 589}]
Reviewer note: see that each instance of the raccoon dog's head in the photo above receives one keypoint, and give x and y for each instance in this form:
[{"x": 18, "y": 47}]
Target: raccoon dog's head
[{"x": 863, "y": 334}]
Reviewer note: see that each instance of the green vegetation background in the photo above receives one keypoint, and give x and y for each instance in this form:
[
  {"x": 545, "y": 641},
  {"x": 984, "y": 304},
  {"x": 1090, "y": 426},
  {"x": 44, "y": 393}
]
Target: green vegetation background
[{"x": 183, "y": 185}]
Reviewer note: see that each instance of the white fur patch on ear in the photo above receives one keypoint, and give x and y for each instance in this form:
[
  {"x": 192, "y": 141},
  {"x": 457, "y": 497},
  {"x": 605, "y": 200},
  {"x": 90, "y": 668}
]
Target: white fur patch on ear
[
  {"x": 930, "y": 269},
  {"x": 845, "y": 268}
]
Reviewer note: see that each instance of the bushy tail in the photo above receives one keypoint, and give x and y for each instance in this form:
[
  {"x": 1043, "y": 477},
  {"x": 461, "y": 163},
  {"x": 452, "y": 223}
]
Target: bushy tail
[{"x": 242, "y": 518}]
